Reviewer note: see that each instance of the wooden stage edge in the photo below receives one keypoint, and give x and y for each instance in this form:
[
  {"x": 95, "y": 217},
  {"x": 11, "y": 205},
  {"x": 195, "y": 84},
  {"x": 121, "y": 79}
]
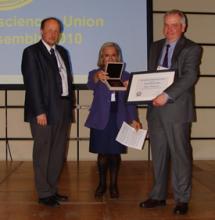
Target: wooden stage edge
[{"x": 18, "y": 199}]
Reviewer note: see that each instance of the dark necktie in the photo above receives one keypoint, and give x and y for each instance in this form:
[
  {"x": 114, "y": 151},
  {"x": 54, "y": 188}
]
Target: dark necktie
[
  {"x": 59, "y": 80},
  {"x": 165, "y": 60},
  {"x": 53, "y": 56}
]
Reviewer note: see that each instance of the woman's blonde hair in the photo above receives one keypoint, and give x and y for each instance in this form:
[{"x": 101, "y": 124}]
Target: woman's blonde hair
[{"x": 100, "y": 62}]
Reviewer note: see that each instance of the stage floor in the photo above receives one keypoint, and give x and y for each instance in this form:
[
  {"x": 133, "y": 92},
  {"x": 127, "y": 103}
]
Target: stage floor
[{"x": 18, "y": 200}]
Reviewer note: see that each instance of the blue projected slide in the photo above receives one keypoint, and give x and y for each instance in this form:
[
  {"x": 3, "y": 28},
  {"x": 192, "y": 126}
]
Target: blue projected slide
[{"x": 87, "y": 25}]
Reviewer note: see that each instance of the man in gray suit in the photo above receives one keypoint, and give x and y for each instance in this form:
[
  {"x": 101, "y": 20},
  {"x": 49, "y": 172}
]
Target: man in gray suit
[
  {"x": 48, "y": 107},
  {"x": 171, "y": 113}
]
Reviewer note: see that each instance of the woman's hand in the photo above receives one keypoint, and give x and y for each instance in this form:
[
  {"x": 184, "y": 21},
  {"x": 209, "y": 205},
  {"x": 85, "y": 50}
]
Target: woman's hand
[
  {"x": 125, "y": 83},
  {"x": 136, "y": 124},
  {"x": 100, "y": 75}
]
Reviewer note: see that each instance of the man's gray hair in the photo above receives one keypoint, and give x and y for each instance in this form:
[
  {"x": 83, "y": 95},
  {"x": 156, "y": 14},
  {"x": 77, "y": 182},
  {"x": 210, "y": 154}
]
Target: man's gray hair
[{"x": 179, "y": 13}]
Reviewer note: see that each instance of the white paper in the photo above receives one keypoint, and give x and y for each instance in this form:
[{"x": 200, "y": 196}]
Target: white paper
[
  {"x": 162, "y": 68},
  {"x": 129, "y": 137}
]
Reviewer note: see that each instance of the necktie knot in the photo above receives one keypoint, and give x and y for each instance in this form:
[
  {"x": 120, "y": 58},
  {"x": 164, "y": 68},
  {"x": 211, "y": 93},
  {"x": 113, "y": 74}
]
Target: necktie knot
[{"x": 52, "y": 51}]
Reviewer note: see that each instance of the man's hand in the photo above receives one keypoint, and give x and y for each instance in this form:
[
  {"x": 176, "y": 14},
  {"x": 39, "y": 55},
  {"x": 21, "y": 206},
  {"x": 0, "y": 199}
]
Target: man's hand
[
  {"x": 42, "y": 120},
  {"x": 160, "y": 100}
]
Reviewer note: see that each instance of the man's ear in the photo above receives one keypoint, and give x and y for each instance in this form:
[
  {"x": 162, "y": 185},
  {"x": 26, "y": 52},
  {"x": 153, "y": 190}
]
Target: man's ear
[{"x": 184, "y": 28}]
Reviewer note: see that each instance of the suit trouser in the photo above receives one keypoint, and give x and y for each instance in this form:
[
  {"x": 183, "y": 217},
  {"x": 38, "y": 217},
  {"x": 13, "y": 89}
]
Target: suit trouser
[
  {"x": 171, "y": 141},
  {"x": 49, "y": 154}
]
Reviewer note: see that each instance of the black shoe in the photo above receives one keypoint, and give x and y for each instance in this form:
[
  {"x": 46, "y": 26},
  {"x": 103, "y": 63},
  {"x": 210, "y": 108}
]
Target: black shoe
[
  {"x": 152, "y": 203},
  {"x": 114, "y": 193},
  {"x": 61, "y": 198},
  {"x": 181, "y": 208},
  {"x": 100, "y": 190},
  {"x": 49, "y": 201}
]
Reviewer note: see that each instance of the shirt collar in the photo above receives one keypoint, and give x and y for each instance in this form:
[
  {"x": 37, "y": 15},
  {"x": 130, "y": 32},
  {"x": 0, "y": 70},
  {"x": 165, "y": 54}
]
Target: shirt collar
[
  {"x": 172, "y": 44},
  {"x": 48, "y": 47}
]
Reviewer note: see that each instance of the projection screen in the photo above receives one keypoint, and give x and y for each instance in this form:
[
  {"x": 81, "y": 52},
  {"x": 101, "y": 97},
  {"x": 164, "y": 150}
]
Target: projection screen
[{"x": 87, "y": 25}]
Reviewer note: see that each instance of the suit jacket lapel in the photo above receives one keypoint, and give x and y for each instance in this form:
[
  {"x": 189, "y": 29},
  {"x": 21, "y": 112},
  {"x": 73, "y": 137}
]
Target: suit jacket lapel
[
  {"x": 178, "y": 48},
  {"x": 45, "y": 53},
  {"x": 156, "y": 54},
  {"x": 64, "y": 57},
  {"x": 43, "y": 49},
  {"x": 66, "y": 61},
  {"x": 159, "y": 50}
]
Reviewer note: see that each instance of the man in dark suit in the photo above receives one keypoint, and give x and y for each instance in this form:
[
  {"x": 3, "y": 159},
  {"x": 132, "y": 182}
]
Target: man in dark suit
[
  {"x": 171, "y": 113},
  {"x": 48, "y": 107}
]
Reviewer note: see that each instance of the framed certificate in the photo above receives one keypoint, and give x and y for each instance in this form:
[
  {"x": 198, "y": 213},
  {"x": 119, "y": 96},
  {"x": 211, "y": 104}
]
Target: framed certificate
[{"x": 146, "y": 85}]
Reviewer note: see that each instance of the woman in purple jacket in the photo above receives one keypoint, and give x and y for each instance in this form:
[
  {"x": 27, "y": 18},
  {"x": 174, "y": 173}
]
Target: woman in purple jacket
[{"x": 108, "y": 110}]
